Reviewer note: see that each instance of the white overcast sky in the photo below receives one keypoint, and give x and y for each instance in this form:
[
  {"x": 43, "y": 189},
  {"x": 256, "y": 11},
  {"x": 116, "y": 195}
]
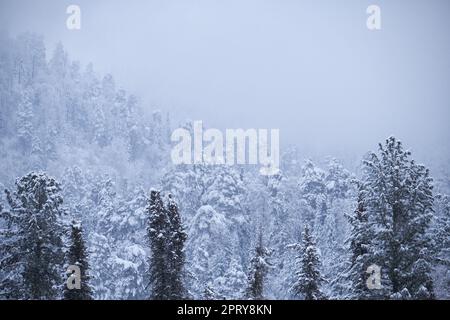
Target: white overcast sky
[{"x": 310, "y": 68}]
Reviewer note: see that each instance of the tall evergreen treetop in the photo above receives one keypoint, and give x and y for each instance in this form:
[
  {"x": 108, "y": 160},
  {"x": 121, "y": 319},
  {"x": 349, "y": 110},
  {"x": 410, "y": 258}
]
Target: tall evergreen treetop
[
  {"x": 309, "y": 280},
  {"x": 167, "y": 237},
  {"x": 78, "y": 256},
  {"x": 32, "y": 246},
  {"x": 359, "y": 242},
  {"x": 399, "y": 202},
  {"x": 177, "y": 238},
  {"x": 259, "y": 266},
  {"x": 158, "y": 234}
]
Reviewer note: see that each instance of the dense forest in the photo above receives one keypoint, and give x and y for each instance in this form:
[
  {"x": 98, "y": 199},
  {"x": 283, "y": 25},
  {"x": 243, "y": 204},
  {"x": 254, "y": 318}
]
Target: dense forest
[{"x": 88, "y": 181}]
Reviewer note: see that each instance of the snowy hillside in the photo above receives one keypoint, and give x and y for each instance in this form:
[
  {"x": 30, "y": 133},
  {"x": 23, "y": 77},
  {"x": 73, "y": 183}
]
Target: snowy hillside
[{"x": 89, "y": 182}]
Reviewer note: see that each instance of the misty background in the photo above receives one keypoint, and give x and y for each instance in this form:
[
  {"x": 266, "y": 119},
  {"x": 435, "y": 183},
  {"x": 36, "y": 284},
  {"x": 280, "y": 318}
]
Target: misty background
[{"x": 310, "y": 68}]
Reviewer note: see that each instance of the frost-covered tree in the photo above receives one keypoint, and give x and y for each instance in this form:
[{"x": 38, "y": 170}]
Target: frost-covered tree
[
  {"x": 166, "y": 235},
  {"x": 78, "y": 256},
  {"x": 308, "y": 279},
  {"x": 135, "y": 143},
  {"x": 93, "y": 200},
  {"x": 440, "y": 233},
  {"x": 115, "y": 229},
  {"x": 225, "y": 193},
  {"x": 326, "y": 196},
  {"x": 32, "y": 244},
  {"x": 101, "y": 134},
  {"x": 212, "y": 199},
  {"x": 158, "y": 234},
  {"x": 277, "y": 213},
  {"x": 187, "y": 184},
  {"x": 25, "y": 122},
  {"x": 212, "y": 256},
  {"x": 337, "y": 181},
  {"x": 360, "y": 259},
  {"x": 259, "y": 267},
  {"x": 29, "y": 58},
  {"x": 399, "y": 203},
  {"x": 130, "y": 249},
  {"x": 312, "y": 186},
  {"x": 59, "y": 61},
  {"x": 10, "y": 277},
  {"x": 176, "y": 239}
]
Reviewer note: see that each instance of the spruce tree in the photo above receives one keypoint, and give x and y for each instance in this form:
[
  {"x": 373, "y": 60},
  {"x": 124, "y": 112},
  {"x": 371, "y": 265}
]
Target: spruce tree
[
  {"x": 259, "y": 266},
  {"x": 25, "y": 122},
  {"x": 158, "y": 234},
  {"x": 31, "y": 248},
  {"x": 10, "y": 277},
  {"x": 167, "y": 259},
  {"x": 308, "y": 280},
  {"x": 78, "y": 256},
  {"x": 440, "y": 233},
  {"x": 176, "y": 239},
  {"x": 399, "y": 203},
  {"x": 359, "y": 241}
]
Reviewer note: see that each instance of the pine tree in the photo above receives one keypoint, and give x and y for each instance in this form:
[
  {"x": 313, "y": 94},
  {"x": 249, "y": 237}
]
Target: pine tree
[
  {"x": 211, "y": 254},
  {"x": 440, "y": 233},
  {"x": 29, "y": 55},
  {"x": 129, "y": 254},
  {"x": 101, "y": 134},
  {"x": 78, "y": 256},
  {"x": 308, "y": 281},
  {"x": 259, "y": 266},
  {"x": 338, "y": 181},
  {"x": 177, "y": 238},
  {"x": 10, "y": 277},
  {"x": 359, "y": 241},
  {"x": 58, "y": 63},
  {"x": 225, "y": 194},
  {"x": 441, "y": 228},
  {"x": 340, "y": 197},
  {"x": 399, "y": 203},
  {"x": 25, "y": 122},
  {"x": 313, "y": 191},
  {"x": 158, "y": 234},
  {"x": 281, "y": 222},
  {"x": 135, "y": 145},
  {"x": 32, "y": 245},
  {"x": 167, "y": 238},
  {"x": 219, "y": 226}
]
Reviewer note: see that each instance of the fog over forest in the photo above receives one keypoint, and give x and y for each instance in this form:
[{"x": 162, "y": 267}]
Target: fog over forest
[{"x": 87, "y": 116}]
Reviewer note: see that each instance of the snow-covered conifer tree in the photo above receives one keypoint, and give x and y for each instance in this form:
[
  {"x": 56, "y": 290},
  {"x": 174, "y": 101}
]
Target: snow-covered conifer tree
[
  {"x": 308, "y": 279},
  {"x": 440, "y": 233},
  {"x": 360, "y": 259},
  {"x": 158, "y": 235},
  {"x": 25, "y": 122},
  {"x": 78, "y": 256},
  {"x": 31, "y": 246},
  {"x": 259, "y": 267},
  {"x": 176, "y": 239},
  {"x": 399, "y": 202}
]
